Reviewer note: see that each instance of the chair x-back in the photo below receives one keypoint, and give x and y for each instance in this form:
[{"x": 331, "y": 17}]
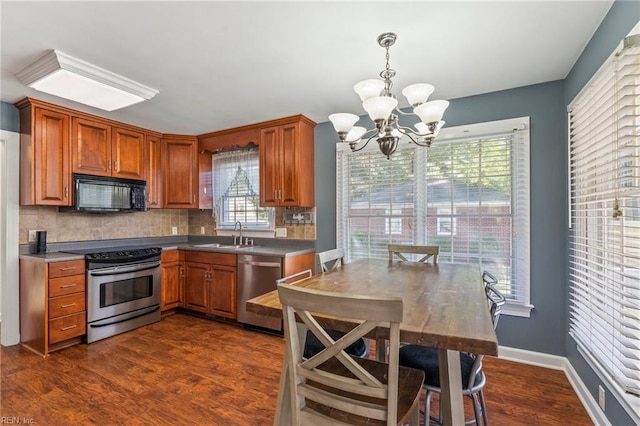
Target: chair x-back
[
  {"x": 331, "y": 259},
  {"x": 399, "y": 251},
  {"x": 333, "y": 388}
]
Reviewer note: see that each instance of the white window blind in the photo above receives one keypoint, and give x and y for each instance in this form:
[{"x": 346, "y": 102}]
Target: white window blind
[
  {"x": 469, "y": 196},
  {"x": 236, "y": 185},
  {"x": 604, "y": 252}
]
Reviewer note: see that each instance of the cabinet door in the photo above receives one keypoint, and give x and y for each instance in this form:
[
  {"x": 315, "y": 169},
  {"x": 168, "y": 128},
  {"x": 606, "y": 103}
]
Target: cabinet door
[
  {"x": 180, "y": 174},
  {"x": 223, "y": 291},
  {"x": 288, "y": 168},
  {"x": 171, "y": 277},
  {"x": 269, "y": 166},
  {"x": 196, "y": 285},
  {"x": 128, "y": 154},
  {"x": 91, "y": 147},
  {"x": 51, "y": 162},
  {"x": 154, "y": 183}
]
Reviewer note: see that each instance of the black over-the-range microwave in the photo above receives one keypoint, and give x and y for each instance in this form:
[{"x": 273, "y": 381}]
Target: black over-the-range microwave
[{"x": 107, "y": 194}]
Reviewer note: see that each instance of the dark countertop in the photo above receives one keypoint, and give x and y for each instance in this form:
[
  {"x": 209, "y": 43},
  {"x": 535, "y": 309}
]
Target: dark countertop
[{"x": 263, "y": 247}]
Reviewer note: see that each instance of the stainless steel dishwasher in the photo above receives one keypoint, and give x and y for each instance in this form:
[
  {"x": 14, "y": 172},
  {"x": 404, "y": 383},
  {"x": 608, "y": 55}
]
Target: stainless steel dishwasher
[{"x": 257, "y": 275}]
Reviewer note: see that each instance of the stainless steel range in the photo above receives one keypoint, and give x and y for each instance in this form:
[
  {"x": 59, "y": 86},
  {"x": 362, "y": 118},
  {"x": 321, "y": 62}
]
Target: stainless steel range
[{"x": 123, "y": 290}]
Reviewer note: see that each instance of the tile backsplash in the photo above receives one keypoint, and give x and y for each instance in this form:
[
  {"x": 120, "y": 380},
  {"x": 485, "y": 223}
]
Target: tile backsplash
[{"x": 66, "y": 226}]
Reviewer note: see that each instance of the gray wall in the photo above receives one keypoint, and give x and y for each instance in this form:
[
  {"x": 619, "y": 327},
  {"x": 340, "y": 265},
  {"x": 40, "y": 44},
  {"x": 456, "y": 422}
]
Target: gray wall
[
  {"x": 9, "y": 117},
  {"x": 620, "y": 20}
]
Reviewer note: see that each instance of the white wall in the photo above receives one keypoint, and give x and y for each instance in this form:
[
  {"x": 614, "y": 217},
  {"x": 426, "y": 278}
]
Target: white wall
[{"x": 9, "y": 213}]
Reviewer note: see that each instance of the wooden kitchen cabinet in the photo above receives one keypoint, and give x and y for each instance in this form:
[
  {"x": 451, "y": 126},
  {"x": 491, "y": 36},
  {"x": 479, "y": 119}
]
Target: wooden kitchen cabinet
[
  {"x": 287, "y": 163},
  {"x": 91, "y": 147},
  {"x": 211, "y": 283},
  {"x": 172, "y": 276},
  {"x": 180, "y": 171},
  {"x": 45, "y": 173},
  {"x": 128, "y": 153},
  {"x": 154, "y": 172},
  {"x": 100, "y": 149},
  {"x": 52, "y": 304},
  {"x": 196, "y": 294}
]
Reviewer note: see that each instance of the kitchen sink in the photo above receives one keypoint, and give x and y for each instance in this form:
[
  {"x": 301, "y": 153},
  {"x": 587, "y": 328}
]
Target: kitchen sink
[{"x": 226, "y": 246}]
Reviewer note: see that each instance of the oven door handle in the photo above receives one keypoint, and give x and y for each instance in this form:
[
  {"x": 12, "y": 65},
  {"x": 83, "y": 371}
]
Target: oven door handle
[
  {"x": 140, "y": 314},
  {"x": 118, "y": 271}
]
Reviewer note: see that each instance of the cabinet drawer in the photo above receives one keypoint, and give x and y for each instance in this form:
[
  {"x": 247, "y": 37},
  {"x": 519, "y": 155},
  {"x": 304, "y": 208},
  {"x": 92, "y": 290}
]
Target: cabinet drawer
[
  {"x": 211, "y": 258},
  {"x": 66, "y": 305},
  {"x": 66, "y": 285},
  {"x": 67, "y": 327},
  {"x": 63, "y": 269},
  {"x": 170, "y": 256}
]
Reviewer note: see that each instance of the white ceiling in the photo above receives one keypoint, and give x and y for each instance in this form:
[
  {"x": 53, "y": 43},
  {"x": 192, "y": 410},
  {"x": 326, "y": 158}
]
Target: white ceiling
[{"x": 224, "y": 64}]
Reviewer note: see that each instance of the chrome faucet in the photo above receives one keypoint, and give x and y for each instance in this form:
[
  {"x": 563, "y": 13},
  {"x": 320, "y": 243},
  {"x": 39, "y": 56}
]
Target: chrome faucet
[{"x": 235, "y": 228}]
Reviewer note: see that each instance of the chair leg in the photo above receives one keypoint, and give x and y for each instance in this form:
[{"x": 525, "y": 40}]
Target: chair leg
[
  {"x": 427, "y": 409},
  {"x": 484, "y": 408},
  {"x": 476, "y": 407}
]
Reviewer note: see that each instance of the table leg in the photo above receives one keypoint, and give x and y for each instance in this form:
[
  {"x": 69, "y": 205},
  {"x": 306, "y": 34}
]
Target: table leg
[{"x": 451, "y": 404}]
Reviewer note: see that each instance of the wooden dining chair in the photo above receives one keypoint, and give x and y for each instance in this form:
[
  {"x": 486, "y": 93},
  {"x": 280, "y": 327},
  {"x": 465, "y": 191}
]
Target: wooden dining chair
[
  {"x": 473, "y": 378},
  {"x": 333, "y": 388},
  {"x": 399, "y": 251},
  {"x": 312, "y": 346},
  {"x": 330, "y": 259}
]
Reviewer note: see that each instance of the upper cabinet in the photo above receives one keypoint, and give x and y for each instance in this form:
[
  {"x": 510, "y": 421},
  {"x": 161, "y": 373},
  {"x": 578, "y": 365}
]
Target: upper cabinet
[
  {"x": 45, "y": 177},
  {"x": 103, "y": 150},
  {"x": 154, "y": 172},
  {"x": 287, "y": 163},
  {"x": 180, "y": 171}
]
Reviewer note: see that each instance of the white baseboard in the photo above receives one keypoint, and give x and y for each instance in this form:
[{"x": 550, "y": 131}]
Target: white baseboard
[{"x": 559, "y": 363}]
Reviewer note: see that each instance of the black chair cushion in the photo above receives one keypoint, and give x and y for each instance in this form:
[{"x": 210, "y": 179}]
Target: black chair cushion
[
  {"x": 426, "y": 359},
  {"x": 313, "y": 346}
]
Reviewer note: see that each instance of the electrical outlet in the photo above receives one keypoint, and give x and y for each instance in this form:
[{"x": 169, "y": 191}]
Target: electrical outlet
[
  {"x": 32, "y": 236},
  {"x": 601, "y": 397},
  {"x": 281, "y": 232},
  {"x": 174, "y": 230},
  {"x": 202, "y": 230}
]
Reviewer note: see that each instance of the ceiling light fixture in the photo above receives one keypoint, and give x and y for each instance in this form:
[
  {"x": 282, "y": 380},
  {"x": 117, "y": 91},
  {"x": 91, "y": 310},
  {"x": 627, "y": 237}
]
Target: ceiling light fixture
[
  {"x": 380, "y": 104},
  {"x": 62, "y": 75}
]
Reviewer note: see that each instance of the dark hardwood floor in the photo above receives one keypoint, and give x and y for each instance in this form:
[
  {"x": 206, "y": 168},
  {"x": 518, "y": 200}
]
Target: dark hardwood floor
[{"x": 192, "y": 371}]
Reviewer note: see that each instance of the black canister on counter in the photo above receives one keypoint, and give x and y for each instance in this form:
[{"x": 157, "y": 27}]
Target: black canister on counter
[{"x": 41, "y": 242}]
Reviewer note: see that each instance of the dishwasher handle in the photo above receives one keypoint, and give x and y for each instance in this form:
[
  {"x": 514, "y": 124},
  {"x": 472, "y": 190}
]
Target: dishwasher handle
[{"x": 251, "y": 262}]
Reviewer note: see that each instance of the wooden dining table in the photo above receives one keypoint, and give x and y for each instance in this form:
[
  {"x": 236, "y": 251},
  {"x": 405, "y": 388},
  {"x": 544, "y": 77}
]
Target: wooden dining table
[{"x": 444, "y": 307}]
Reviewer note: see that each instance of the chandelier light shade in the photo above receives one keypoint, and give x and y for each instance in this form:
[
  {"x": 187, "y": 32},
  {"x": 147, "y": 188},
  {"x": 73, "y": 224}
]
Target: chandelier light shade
[
  {"x": 62, "y": 75},
  {"x": 382, "y": 107}
]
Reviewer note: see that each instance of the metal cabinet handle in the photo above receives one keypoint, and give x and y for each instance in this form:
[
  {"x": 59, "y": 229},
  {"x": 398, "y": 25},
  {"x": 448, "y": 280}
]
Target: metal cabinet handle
[
  {"x": 68, "y": 285},
  {"x": 68, "y": 305},
  {"x": 66, "y": 191},
  {"x": 108, "y": 164},
  {"x": 116, "y": 168},
  {"x": 69, "y": 327},
  {"x": 68, "y": 268}
]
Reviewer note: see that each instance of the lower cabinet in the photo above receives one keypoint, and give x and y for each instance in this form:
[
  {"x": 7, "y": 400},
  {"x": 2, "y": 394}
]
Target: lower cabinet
[
  {"x": 172, "y": 275},
  {"x": 210, "y": 283},
  {"x": 52, "y": 304}
]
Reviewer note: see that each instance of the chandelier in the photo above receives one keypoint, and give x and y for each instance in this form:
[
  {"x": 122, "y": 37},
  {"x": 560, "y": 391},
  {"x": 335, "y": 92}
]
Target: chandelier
[{"x": 381, "y": 105}]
